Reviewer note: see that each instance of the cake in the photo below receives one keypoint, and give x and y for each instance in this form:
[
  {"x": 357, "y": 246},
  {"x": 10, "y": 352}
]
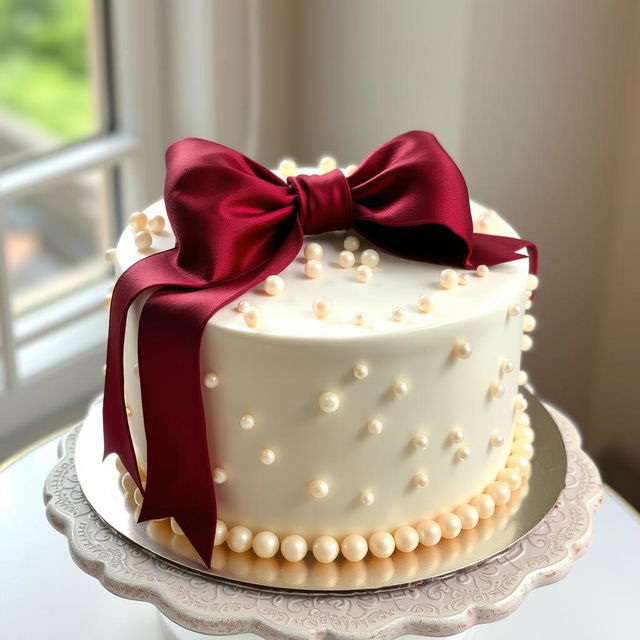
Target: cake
[{"x": 355, "y": 402}]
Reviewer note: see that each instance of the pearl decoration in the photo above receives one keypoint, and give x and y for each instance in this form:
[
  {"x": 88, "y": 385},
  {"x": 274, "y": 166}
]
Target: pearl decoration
[
  {"x": 420, "y": 442},
  {"x": 468, "y": 515},
  {"x": 528, "y": 323},
  {"x": 450, "y": 525},
  {"x": 211, "y": 380},
  {"x": 219, "y": 475},
  {"x": 175, "y": 527},
  {"x": 221, "y": 533},
  {"x": 346, "y": 259},
  {"x": 364, "y": 273},
  {"x": 499, "y": 491},
  {"x": 406, "y": 538},
  {"x": 360, "y": 371},
  {"x": 462, "y": 350},
  {"x": 496, "y": 389},
  {"x": 359, "y": 319},
  {"x": 524, "y": 419},
  {"x": 400, "y": 389},
  {"x": 520, "y": 464},
  {"x": 138, "y": 221},
  {"x": 523, "y": 378},
  {"x": 350, "y": 170},
  {"x": 511, "y": 477},
  {"x": 252, "y": 317},
  {"x": 142, "y": 240},
  {"x": 318, "y": 488},
  {"x": 370, "y": 258},
  {"x": 354, "y": 547},
  {"x": 265, "y": 544},
  {"x": 421, "y": 480},
  {"x": 506, "y": 367},
  {"x": 351, "y": 243},
  {"x": 381, "y": 544},
  {"x": 327, "y": 163},
  {"x": 239, "y": 539},
  {"x": 425, "y": 303},
  {"x": 429, "y": 532},
  {"x": 398, "y": 314},
  {"x": 287, "y": 168},
  {"x": 137, "y": 497},
  {"x": 514, "y": 310},
  {"x": 496, "y": 440},
  {"x": 293, "y": 548},
  {"x": 243, "y": 306},
  {"x": 448, "y": 278},
  {"x": 313, "y": 269},
  {"x": 374, "y": 427},
  {"x": 482, "y": 271},
  {"x": 527, "y": 343},
  {"x": 322, "y": 307},
  {"x": 464, "y": 279},
  {"x": 527, "y": 305},
  {"x": 156, "y": 224},
  {"x": 484, "y": 505},
  {"x": 520, "y": 403},
  {"x": 457, "y": 436},
  {"x": 366, "y": 498},
  {"x": 313, "y": 251},
  {"x": 110, "y": 255},
  {"x": 267, "y": 456},
  {"x": 247, "y": 421},
  {"x": 463, "y": 453},
  {"x": 522, "y": 448},
  {"x": 524, "y": 432},
  {"x": 274, "y": 285},
  {"x": 329, "y": 402},
  {"x": 532, "y": 282},
  {"x": 325, "y": 549}
]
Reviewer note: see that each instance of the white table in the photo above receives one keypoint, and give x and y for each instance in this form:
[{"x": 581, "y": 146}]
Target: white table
[{"x": 44, "y": 595}]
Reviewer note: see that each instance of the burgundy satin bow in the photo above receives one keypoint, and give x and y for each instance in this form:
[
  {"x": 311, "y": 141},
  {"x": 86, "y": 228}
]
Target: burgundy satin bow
[{"x": 235, "y": 223}]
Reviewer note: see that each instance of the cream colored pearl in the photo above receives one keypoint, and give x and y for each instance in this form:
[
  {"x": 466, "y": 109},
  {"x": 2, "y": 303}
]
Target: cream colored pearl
[
  {"x": 287, "y": 168},
  {"x": 499, "y": 491},
  {"x": 400, "y": 389},
  {"x": 247, "y": 422},
  {"x": 351, "y": 243},
  {"x": 450, "y": 525},
  {"x": 482, "y": 271},
  {"x": 463, "y": 452},
  {"x": 375, "y": 427},
  {"x": 243, "y": 306},
  {"x": 325, "y": 549},
  {"x": 366, "y": 498},
  {"x": 318, "y": 488},
  {"x": 239, "y": 539},
  {"x": 457, "y": 436},
  {"x": 462, "y": 350},
  {"x": 506, "y": 367},
  {"x": 293, "y": 548},
  {"x": 137, "y": 497},
  {"x": 364, "y": 273},
  {"x": 110, "y": 255},
  {"x": 496, "y": 389},
  {"x": 327, "y": 163},
  {"x": 514, "y": 310},
  {"x": 520, "y": 464},
  {"x": 520, "y": 403},
  {"x": 156, "y": 224},
  {"x": 274, "y": 285},
  {"x": 406, "y": 538},
  {"x": 359, "y": 319},
  {"x": 527, "y": 343},
  {"x": 484, "y": 504},
  {"x": 350, "y": 170},
  {"x": 322, "y": 307},
  {"x": 468, "y": 515},
  {"x": 175, "y": 527},
  {"x": 448, "y": 278},
  {"x": 360, "y": 371},
  {"x": 329, "y": 402},
  {"x": 420, "y": 442},
  {"x": 524, "y": 419},
  {"x": 429, "y": 532},
  {"x": 464, "y": 279},
  {"x": 138, "y": 220},
  {"x": 523, "y": 448},
  {"x": 510, "y": 477},
  {"x": 219, "y": 475},
  {"x": 426, "y": 303},
  {"x": 527, "y": 305},
  {"x": 265, "y": 544},
  {"x": 211, "y": 380},
  {"x": 524, "y": 432},
  {"x": 381, "y": 544},
  {"x": 313, "y": 269},
  {"x": 523, "y": 378},
  {"x": 370, "y": 258},
  {"x": 143, "y": 240},
  {"x": 221, "y": 533},
  {"x": 398, "y": 314},
  {"x": 313, "y": 251},
  {"x": 354, "y": 547},
  {"x": 346, "y": 259},
  {"x": 532, "y": 282},
  {"x": 496, "y": 440},
  {"x": 252, "y": 317},
  {"x": 268, "y": 456},
  {"x": 421, "y": 480},
  {"x": 128, "y": 483},
  {"x": 528, "y": 323}
]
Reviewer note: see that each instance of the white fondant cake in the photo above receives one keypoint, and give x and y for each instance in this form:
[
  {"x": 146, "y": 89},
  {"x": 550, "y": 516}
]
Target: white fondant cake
[{"x": 357, "y": 393}]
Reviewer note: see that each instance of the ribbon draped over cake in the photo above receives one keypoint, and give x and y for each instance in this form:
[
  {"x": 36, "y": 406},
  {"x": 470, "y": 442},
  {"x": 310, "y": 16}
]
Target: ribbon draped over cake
[{"x": 235, "y": 223}]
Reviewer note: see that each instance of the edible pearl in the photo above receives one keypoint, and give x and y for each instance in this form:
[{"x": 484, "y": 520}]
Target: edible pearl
[
  {"x": 429, "y": 532},
  {"x": 406, "y": 538},
  {"x": 523, "y": 448},
  {"x": 524, "y": 419},
  {"x": 243, "y": 306},
  {"x": 247, "y": 422},
  {"x": 527, "y": 305},
  {"x": 156, "y": 224},
  {"x": 370, "y": 258},
  {"x": 138, "y": 221},
  {"x": 221, "y": 533},
  {"x": 287, "y": 168},
  {"x": 462, "y": 350},
  {"x": 360, "y": 371},
  {"x": 325, "y": 549},
  {"x": 329, "y": 402},
  {"x": 506, "y": 367},
  {"x": 400, "y": 389},
  {"x": 482, "y": 271},
  {"x": 359, "y": 319},
  {"x": 523, "y": 378},
  {"x": 448, "y": 278},
  {"x": 313, "y": 269},
  {"x": 175, "y": 527},
  {"x": 313, "y": 251},
  {"x": 219, "y": 475},
  {"x": 514, "y": 310},
  {"x": 420, "y": 442},
  {"x": 266, "y": 544},
  {"x": 239, "y": 539},
  {"x": 520, "y": 403},
  {"x": 364, "y": 273},
  {"x": 496, "y": 389},
  {"x": 375, "y": 427},
  {"x": 457, "y": 436},
  {"x": 252, "y": 317},
  {"x": 468, "y": 515},
  {"x": 425, "y": 303},
  {"x": 496, "y": 440},
  {"x": 381, "y": 544},
  {"x": 354, "y": 547},
  {"x": 421, "y": 480},
  {"x": 464, "y": 279},
  {"x": 350, "y": 169},
  {"x": 137, "y": 497},
  {"x": 346, "y": 259},
  {"x": 528, "y": 323},
  {"x": 511, "y": 477},
  {"x": 143, "y": 240},
  {"x": 450, "y": 525},
  {"x": 322, "y": 307},
  {"x": 351, "y": 243},
  {"x": 274, "y": 285},
  {"x": 463, "y": 453},
  {"x": 532, "y": 282},
  {"x": 484, "y": 504},
  {"x": 524, "y": 432},
  {"x": 318, "y": 488},
  {"x": 267, "y": 456},
  {"x": 499, "y": 491},
  {"x": 110, "y": 255},
  {"x": 398, "y": 314},
  {"x": 520, "y": 464},
  {"x": 527, "y": 343},
  {"x": 293, "y": 548},
  {"x": 327, "y": 163},
  {"x": 128, "y": 483},
  {"x": 366, "y": 498},
  {"x": 211, "y": 380}
]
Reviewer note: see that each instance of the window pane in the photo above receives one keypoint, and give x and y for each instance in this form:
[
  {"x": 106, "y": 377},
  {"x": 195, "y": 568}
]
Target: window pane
[{"x": 50, "y": 78}]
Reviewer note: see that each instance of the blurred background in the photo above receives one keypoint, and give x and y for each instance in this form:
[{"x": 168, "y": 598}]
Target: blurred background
[{"x": 537, "y": 100}]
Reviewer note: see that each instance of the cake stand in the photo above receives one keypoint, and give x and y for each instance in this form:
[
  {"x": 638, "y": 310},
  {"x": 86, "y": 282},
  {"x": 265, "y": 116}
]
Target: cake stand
[{"x": 442, "y": 606}]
